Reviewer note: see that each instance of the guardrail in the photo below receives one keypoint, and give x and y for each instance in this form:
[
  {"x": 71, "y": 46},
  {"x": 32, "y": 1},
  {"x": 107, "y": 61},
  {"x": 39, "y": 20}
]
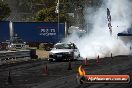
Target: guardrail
[{"x": 11, "y": 56}]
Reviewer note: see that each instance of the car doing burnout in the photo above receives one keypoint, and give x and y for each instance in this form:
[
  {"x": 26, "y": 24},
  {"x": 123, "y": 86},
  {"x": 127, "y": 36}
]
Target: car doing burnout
[{"x": 64, "y": 51}]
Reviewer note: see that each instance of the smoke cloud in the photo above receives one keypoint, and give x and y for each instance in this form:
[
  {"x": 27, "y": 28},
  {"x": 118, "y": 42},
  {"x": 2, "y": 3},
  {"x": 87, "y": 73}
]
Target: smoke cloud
[{"x": 98, "y": 40}]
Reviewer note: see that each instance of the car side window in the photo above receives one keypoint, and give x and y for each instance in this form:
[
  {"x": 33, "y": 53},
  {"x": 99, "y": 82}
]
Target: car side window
[{"x": 73, "y": 46}]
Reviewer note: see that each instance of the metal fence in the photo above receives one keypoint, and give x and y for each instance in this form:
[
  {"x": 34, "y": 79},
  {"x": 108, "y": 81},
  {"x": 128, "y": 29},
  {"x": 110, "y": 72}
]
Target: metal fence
[{"x": 13, "y": 56}]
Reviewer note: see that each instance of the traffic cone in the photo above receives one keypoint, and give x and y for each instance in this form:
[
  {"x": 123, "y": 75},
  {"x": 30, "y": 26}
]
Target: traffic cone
[
  {"x": 86, "y": 62},
  {"x": 69, "y": 66},
  {"x": 97, "y": 60},
  {"x": 9, "y": 78},
  {"x": 46, "y": 70}
]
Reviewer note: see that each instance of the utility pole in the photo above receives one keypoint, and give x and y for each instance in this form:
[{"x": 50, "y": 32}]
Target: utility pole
[
  {"x": 57, "y": 11},
  {"x": 58, "y": 20}
]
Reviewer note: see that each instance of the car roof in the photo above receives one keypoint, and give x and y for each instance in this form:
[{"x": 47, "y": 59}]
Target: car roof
[{"x": 61, "y": 43}]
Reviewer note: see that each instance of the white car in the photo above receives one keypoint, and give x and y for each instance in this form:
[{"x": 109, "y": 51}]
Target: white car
[
  {"x": 16, "y": 43},
  {"x": 64, "y": 51}
]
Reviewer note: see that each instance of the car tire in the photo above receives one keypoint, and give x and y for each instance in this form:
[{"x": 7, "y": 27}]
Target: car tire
[
  {"x": 51, "y": 60},
  {"x": 72, "y": 58}
]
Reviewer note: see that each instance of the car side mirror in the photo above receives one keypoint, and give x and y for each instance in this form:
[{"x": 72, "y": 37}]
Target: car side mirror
[{"x": 74, "y": 50}]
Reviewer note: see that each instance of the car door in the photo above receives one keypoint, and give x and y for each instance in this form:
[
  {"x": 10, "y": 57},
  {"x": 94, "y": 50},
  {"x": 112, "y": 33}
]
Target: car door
[{"x": 76, "y": 51}]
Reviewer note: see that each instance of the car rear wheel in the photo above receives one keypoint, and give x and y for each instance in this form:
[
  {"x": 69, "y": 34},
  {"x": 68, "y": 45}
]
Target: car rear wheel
[{"x": 51, "y": 60}]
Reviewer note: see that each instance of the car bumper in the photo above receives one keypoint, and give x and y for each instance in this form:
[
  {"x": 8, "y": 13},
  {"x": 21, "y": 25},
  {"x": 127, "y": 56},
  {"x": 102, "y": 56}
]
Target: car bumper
[{"x": 61, "y": 56}]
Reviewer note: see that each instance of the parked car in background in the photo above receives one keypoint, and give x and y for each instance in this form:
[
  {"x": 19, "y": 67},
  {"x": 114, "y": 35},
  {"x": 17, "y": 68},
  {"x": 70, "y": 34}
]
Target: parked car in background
[{"x": 16, "y": 43}]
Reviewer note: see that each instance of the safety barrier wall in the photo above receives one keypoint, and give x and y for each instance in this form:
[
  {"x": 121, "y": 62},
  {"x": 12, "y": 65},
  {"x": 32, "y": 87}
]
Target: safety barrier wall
[{"x": 12, "y": 56}]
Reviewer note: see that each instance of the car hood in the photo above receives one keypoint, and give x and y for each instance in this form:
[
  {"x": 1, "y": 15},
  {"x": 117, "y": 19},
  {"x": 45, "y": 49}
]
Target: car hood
[
  {"x": 61, "y": 50},
  {"x": 17, "y": 44}
]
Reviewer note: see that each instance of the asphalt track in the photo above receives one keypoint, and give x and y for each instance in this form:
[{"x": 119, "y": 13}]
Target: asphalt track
[{"x": 32, "y": 74}]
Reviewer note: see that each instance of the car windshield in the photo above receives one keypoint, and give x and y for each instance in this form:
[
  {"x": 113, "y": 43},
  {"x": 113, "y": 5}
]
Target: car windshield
[
  {"x": 63, "y": 46},
  {"x": 17, "y": 40}
]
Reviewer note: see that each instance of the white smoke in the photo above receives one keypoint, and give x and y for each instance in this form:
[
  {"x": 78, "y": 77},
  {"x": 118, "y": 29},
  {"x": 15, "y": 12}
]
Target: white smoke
[{"x": 98, "y": 40}]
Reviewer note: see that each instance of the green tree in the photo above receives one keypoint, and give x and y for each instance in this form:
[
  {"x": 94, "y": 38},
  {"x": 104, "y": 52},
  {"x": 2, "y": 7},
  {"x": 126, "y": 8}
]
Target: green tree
[
  {"x": 48, "y": 14},
  {"x": 4, "y": 11}
]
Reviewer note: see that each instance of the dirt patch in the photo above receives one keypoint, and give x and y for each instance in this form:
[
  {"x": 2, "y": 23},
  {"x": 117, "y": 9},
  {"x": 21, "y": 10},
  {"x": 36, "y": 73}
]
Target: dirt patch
[{"x": 42, "y": 53}]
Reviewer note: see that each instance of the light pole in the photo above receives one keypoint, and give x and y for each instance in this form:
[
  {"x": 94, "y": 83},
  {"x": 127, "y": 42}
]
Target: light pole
[
  {"x": 57, "y": 11},
  {"x": 58, "y": 22}
]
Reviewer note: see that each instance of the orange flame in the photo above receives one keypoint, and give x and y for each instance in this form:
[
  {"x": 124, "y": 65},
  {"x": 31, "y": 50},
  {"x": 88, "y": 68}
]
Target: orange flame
[{"x": 81, "y": 71}]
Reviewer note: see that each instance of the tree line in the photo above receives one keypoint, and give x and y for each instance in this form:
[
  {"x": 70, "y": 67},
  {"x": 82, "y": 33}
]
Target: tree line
[{"x": 44, "y": 10}]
